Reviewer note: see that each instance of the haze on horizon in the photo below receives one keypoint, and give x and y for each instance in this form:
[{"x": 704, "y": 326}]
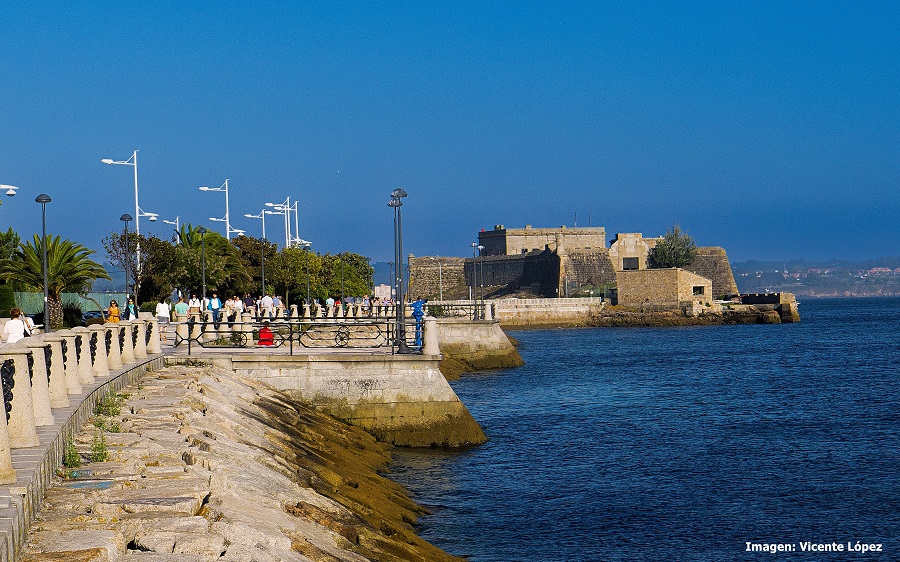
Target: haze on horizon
[{"x": 770, "y": 130}]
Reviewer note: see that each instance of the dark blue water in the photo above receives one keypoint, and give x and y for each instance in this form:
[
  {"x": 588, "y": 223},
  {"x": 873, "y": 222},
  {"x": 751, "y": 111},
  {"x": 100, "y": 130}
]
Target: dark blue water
[{"x": 678, "y": 443}]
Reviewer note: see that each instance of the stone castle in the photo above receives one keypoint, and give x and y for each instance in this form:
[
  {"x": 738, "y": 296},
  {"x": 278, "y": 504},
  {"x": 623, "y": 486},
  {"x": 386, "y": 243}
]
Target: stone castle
[{"x": 560, "y": 262}]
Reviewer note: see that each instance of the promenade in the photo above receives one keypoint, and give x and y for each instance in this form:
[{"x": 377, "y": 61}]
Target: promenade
[{"x": 52, "y": 383}]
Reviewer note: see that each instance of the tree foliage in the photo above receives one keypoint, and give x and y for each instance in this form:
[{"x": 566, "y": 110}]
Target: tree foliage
[
  {"x": 69, "y": 269},
  {"x": 676, "y": 249},
  {"x": 148, "y": 259}
]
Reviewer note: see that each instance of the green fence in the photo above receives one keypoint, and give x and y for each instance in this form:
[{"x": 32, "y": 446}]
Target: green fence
[{"x": 33, "y": 303}]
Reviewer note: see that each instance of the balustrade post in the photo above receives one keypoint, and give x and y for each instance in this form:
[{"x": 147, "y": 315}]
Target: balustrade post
[
  {"x": 294, "y": 312},
  {"x": 59, "y": 397},
  {"x": 197, "y": 328},
  {"x": 151, "y": 336},
  {"x": 70, "y": 362},
  {"x": 22, "y": 431},
  {"x": 83, "y": 355},
  {"x": 320, "y": 310},
  {"x": 40, "y": 383},
  {"x": 7, "y": 473},
  {"x": 126, "y": 342},
  {"x": 488, "y": 313},
  {"x": 306, "y": 311},
  {"x": 430, "y": 344},
  {"x": 330, "y": 312},
  {"x": 181, "y": 327},
  {"x": 140, "y": 342},
  {"x": 112, "y": 349},
  {"x": 97, "y": 350}
]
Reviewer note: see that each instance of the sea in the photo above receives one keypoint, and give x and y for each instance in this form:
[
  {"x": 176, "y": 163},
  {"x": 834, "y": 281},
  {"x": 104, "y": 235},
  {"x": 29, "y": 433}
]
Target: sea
[{"x": 708, "y": 443}]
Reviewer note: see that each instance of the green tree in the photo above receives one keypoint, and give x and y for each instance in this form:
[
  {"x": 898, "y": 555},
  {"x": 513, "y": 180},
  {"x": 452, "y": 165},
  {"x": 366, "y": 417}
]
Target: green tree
[
  {"x": 225, "y": 272},
  {"x": 676, "y": 249},
  {"x": 251, "y": 250},
  {"x": 150, "y": 263},
  {"x": 348, "y": 270},
  {"x": 69, "y": 269},
  {"x": 287, "y": 273}
]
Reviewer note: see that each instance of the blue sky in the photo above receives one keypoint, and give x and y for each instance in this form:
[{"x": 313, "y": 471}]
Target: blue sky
[{"x": 772, "y": 129}]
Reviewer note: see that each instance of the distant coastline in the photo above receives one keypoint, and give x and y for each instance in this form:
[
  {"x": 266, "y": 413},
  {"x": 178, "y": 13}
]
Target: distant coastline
[{"x": 828, "y": 279}]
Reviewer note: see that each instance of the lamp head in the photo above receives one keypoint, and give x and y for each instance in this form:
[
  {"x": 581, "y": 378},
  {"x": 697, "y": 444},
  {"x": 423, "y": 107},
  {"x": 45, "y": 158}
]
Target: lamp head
[
  {"x": 204, "y": 188},
  {"x": 395, "y": 202},
  {"x": 399, "y": 192},
  {"x": 10, "y": 189},
  {"x": 201, "y": 230},
  {"x": 43, "y": 198},
  {"x": 107, "y": 161},
  {"x": 152, "y": 218},
  {"x": 126, "y": 217}
]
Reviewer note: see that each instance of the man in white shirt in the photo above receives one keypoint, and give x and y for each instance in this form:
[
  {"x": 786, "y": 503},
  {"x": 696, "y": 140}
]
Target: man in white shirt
[{"x": 266, "y": 305}]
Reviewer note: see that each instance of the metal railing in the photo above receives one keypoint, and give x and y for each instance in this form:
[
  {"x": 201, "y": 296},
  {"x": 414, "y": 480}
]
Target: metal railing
[
  {"x": 456, "y": 310},
  {"x": 350, "y": 333}
]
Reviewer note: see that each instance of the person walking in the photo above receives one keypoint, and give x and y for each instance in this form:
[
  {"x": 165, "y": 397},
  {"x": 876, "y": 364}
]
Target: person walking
[
  {"x": 215, "y": 305},
  {"x": 163, "y": 316}
]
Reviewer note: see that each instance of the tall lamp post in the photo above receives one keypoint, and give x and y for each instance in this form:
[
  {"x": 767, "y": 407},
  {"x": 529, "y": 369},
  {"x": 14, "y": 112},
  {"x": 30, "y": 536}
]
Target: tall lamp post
[
  {"x": 480, "y": 250},
  {"x": 227, "y": 219},
  {"x": 126, "y": 218},
  {"x": 475, "y": 280},
  {"x": 262, "y": 215},
  {"x": 43, "y": 199},
  {"x": 396, "y": 202},
  {"x": 202, "y": 232},
  {"x": 138, "y": 212}
]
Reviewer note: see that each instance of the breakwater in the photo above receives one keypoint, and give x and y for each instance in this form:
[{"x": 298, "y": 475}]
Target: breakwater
[{"x": 208, "y": 466}]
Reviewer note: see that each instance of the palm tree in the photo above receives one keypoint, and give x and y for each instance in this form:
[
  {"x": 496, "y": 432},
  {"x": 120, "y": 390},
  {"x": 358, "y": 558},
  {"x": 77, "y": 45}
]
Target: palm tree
[{"x": 68, "y": 270}]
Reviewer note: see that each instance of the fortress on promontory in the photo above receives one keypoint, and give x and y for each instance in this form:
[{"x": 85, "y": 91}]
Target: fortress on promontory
[{"x": 565, "y": 262}]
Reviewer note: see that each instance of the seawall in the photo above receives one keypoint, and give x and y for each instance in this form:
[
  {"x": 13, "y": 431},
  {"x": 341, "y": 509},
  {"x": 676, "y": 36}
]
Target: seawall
[
  {"x": 474, "y": 345},
  {"x": 401, "y": 399}
]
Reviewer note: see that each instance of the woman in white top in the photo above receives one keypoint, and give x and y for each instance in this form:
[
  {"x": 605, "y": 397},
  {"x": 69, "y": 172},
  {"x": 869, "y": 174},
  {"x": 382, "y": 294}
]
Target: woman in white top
[
  {"x": 15, "y": 327},
  {"x": 163, "y": 316}
]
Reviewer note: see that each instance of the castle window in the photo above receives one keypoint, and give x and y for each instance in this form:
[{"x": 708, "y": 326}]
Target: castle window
[
  {"x": 698, "y": 290},
  {"x": 629, "y": 264}
]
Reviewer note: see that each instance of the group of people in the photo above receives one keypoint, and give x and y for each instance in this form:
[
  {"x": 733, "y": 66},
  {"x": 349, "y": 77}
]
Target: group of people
[{"x": 116, "y": 314}]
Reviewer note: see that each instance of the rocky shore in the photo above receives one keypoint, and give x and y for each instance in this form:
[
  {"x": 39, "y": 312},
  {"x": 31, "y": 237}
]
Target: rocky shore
[
  {"x": 206, "y": 466},
  {"x": 620, "y": 318}
]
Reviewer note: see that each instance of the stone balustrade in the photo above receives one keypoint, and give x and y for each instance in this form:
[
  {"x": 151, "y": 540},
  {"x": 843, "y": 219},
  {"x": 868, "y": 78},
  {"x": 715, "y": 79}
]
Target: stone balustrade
[{"x": 41, "y": 372}]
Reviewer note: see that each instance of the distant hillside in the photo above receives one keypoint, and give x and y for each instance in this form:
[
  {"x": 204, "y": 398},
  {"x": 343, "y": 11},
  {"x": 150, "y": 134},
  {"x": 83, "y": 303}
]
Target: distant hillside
[{"x": 832, "y": 278}]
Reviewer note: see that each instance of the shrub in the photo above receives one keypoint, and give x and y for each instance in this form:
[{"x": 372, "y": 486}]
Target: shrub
[
  {"x": 99, "y": 452},
  {"x": 7, "y": 300},
  {"x": 72, "y": 314},
  {"x": 71, "y": 458}
]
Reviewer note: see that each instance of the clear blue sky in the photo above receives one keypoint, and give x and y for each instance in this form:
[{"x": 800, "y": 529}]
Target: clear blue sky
[{"x": 772, "y": 129}]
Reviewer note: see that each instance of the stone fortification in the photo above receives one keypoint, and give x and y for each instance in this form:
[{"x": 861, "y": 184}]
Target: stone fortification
[
  {"x": 515, "y": 241},
  {"x": 432, "y": 277},
  {"x": 590, "y": 268},
  {"x": 712, "y": 263},
  {"x": 209, "y": 468},
  {"x": 662, "y": 289}
]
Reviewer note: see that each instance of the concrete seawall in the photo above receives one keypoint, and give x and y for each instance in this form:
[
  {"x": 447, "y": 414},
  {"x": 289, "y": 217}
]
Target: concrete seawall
[
  {"x": 400, "y": 399},
  {"x": 474, "y": 345}
]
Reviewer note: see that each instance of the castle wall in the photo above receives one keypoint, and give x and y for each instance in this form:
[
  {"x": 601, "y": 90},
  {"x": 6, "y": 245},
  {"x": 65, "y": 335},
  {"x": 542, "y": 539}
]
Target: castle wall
[
  {"x": 662, "y": 289},
  {"x": 712, "y": 263},
  {"x": 517, "y": 241}
]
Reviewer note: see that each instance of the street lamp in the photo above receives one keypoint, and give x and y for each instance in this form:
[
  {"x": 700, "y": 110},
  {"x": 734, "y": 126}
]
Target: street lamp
[
  {"x": 262, "y": 215},
  {"x": 305, "y": 244},
  {"x": 177, "y": 224},
  {"x": 396, "y": 202},
  {"x": 481, "y": 253},
  {"x": 43, "y": 199},
  {"x": 475, "y": 280},
  {"x": 285, "y": 209},
  {"x": 126, "y": 218},
  {"x": 202, "y": 232},
  {"x": 440, "y": 278},
  {"x": 138, "y": 212},
  {"x": 227, "y": 219}
]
